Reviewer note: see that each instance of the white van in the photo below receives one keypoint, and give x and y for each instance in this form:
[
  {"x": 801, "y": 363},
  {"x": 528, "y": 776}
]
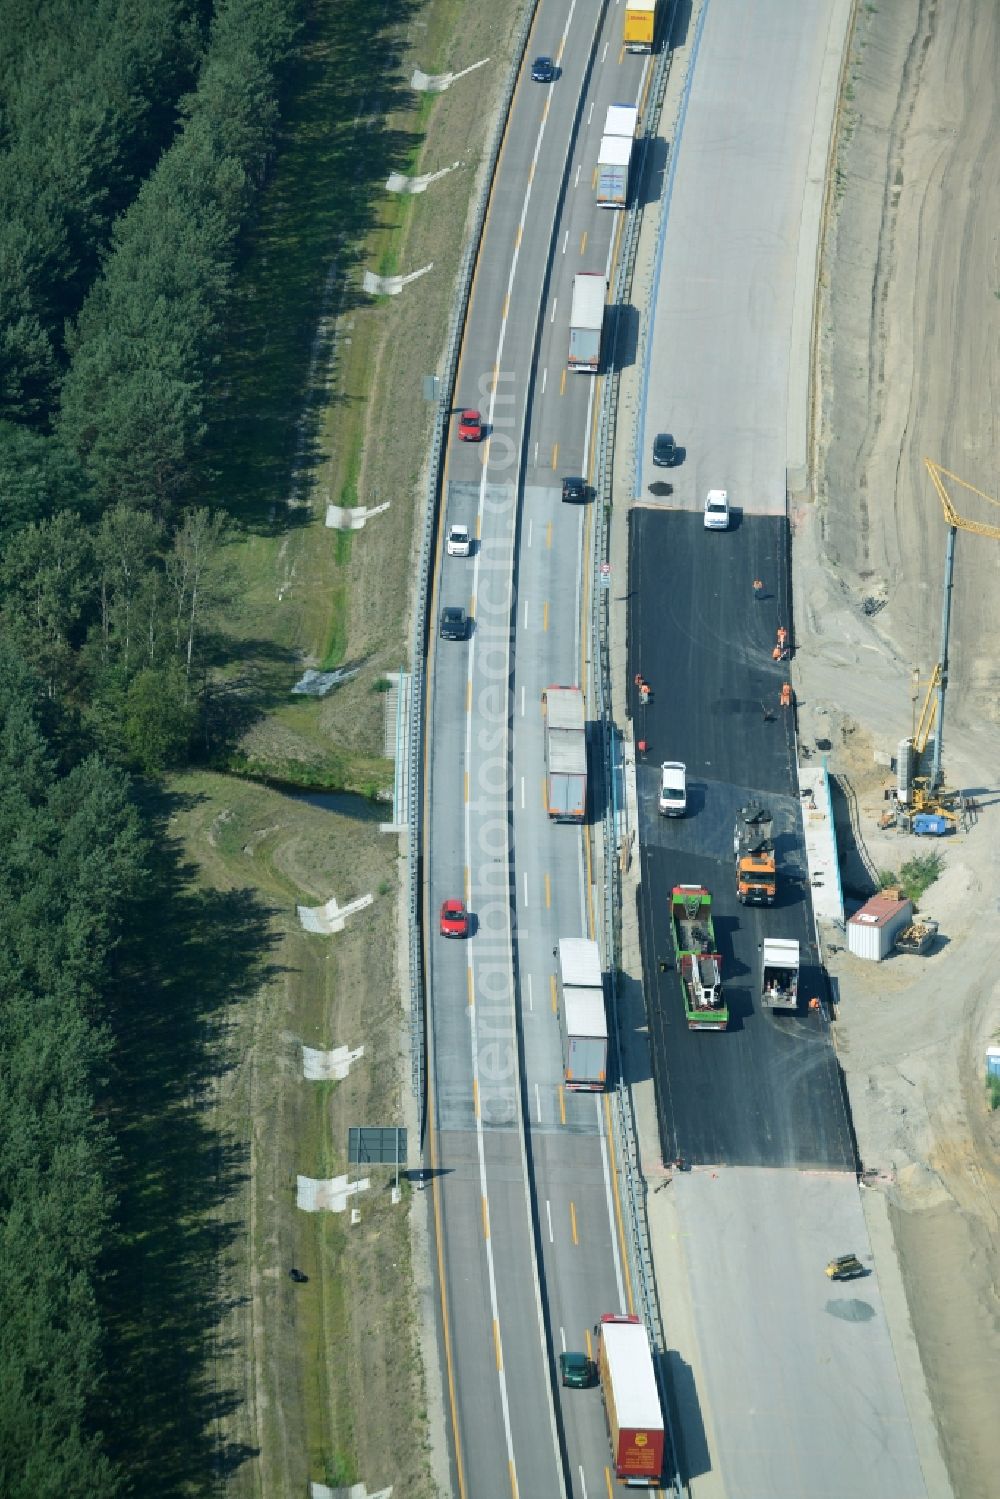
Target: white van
[{"x": 673, "y": 789}]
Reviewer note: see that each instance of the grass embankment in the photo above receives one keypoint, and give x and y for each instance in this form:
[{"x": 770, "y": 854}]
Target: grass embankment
[{"x": 320, "y": 401}]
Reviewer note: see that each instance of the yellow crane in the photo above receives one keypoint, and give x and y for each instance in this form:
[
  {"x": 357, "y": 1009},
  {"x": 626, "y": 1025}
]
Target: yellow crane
[{"x": 930, "y": 791}]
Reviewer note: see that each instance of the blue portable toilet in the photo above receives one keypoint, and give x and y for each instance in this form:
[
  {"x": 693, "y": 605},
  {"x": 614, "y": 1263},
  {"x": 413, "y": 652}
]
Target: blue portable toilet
[
  {"x": 993, "y": 1061},
  {"x": 930, "y": 824}
]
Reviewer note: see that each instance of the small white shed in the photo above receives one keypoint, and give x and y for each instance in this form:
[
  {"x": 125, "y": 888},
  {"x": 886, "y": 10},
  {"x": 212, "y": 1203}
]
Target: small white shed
[{"x": 872, "y": 930}]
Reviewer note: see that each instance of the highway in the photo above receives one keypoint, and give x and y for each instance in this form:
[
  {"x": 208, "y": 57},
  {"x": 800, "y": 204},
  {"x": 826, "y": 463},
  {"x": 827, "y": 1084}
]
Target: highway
[{"x": 524, "y": 1200}]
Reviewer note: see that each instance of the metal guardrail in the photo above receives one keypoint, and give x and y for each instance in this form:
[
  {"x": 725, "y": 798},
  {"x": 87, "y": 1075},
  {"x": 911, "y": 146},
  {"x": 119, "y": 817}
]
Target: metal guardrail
[
  {"x": 418, "y": 1007},
  {"x": 628, "y": 1150}
]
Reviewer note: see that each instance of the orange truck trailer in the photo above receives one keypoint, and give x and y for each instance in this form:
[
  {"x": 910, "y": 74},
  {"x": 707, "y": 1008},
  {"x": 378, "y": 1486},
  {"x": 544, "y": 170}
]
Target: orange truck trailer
[
  {"x": 640, "y": 25},
  {"x": 631, "y": 1401}
]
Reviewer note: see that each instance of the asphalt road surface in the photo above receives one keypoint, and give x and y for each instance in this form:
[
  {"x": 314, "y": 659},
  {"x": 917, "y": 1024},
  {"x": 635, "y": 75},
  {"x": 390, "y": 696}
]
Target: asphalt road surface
[
  {"x": 768, "y": 1091},
  {"x": 525, "y": 1217}
]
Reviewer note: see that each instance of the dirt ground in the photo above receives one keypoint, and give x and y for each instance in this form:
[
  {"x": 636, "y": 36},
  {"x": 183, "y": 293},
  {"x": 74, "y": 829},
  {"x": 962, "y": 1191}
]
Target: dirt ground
[{"x": 908, "y": 360}]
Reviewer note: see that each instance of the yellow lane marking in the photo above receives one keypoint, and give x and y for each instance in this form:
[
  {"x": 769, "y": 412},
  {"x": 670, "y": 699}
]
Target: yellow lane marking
[
  {"x": 593, "y": 180},
  {"x": 548, "y": 893},
  {"x": 479, "y": 526},
  {"x": 531, "y": 172},
  {"x": 562, "y": 382},
  {"x": 562, "y": 1103},
  {"x": 552, "y": 986},
  {"x": 517, "y": 240},
  {"x": 472, "y": 987},
  {"x": 572, "y": 1221},
  {"x": 545, "y": 799},
  {"x": 506, "y": 307},
  {"x": 513, "y": 1478},
  {"x": 468, "y": 883},
  {"x": 545, "y": 109},
  {"x": 486, "y": 1215},
  {"x": 618, "y": 1206},
  {"x": 590, "y": 883},
  {"x": 583, "y": 239},
  {"x": 472, "y": 605},
  {"x": 468, "y": 696},
  {"x": 555, "y": 455},
  {"x": 475, "y": 1096},
  {"x": 607, "y": 1471},
  {"x": 548, "y": 535},
  {"x": 545, "y": 616},
  {"x": 466, "y": 786},
  {"x": 590, "y": 1345},
  {"x": 496, "y": 1343}
]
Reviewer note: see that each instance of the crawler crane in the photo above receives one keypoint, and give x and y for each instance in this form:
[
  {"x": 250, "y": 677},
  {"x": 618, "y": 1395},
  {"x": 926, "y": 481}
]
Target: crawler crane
[{"x": 919, "y": 790}]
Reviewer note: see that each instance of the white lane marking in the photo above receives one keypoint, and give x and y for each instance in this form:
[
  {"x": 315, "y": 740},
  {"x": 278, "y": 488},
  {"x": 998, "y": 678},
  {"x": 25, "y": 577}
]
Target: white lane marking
[
  {"x": 525, "y": 887},
  {"x": 538, "y": 1105},
  {"x": 530, "y": 528},
  {"x": 605, "y": 52},
  {"x": 590, "y": 112},
  {"x": 522, "y": 793},
  {"x": 531, "y": 1000},
  {"x": 612, "y": 1224},
  {"x": 562, "y": 1338},
  {"x": 536, "y": 455},
  {"x": 545, "y": 376},
  {"x": 555, "y": 303},
  {"x": 522, "y": 699},
  {"x": 501, "y": 1373},
  {"x": 548, "y": 1214},
  {"x": 583, "y": 1481},
  {"x": 565, "y": 241},
  {"x": 576, "y": 180},
  {"x": 484, "y": 1189},
  {"x": 526, "y": 614}
]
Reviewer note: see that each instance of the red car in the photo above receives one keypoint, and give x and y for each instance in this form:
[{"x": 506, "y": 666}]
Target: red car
[
  {"x": 454, "y": 919},
  {"x": 470, "y": 426}
]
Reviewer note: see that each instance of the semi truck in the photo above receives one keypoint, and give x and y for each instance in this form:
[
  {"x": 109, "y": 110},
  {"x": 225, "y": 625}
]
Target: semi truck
[
  {"x": 582, "y": 1015},
  {"x": 631, "y": 1401},
  {"x": 586, "y": 321},
  {"x": 779, "y": 973},
  {"x": 699, "y": 967},
  {"x": 615, "y": 155},
  {"x": 565, "y": 754},
  {"x": 753, "y": 850},
  {"x": 640, "y": 24}
]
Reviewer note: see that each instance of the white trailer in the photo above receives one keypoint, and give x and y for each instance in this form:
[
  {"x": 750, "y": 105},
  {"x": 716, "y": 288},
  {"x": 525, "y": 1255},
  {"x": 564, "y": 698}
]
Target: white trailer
[
  {"x": 779, "y": 974},
  {"x": 586, "y": 321},
  {"x": 615, "y": 155},
  {"x": 582, "y": 1015}
]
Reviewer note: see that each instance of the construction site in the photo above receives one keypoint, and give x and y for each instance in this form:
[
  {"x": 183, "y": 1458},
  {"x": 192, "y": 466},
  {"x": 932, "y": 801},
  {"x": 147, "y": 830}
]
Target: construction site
[{"x": 896, "y": 670}]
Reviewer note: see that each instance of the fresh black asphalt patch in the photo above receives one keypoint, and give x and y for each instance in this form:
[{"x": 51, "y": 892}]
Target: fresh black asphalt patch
[{"x": 769, "y": 1090}]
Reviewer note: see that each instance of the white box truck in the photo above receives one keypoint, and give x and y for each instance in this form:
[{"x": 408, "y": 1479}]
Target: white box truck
[
  {"x": 779, "y": 973},
  {"x": 615, "y": 155},
  {"x": 582, "y": 1015},
  {"x": 586, "y": 321}
]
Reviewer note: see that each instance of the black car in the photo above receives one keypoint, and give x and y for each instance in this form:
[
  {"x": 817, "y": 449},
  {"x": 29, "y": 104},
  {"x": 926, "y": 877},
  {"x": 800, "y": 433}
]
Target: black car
[
  {"x": 574, "y": 490},
  {"x": 454, "y": 623},
  {"x": 543, "y": 70},
  {"x": 664, "y": 450}
]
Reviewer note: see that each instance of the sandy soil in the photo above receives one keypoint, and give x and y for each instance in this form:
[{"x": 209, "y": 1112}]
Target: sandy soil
[{"x": 908, "y": 365}]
